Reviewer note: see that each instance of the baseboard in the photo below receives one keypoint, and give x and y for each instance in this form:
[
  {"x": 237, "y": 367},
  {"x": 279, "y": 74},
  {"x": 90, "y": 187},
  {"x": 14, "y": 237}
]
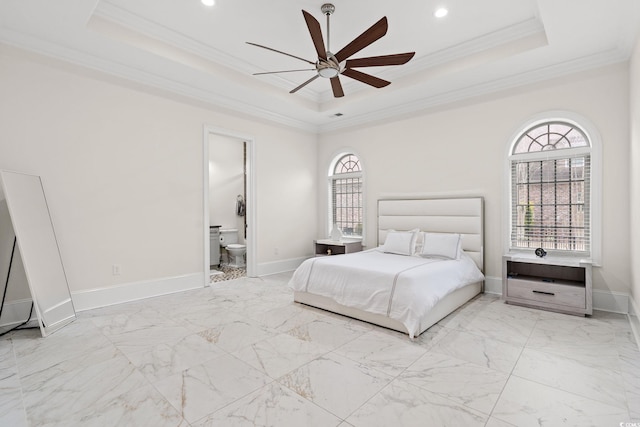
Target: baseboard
[
  {"x": 16, "y": 312},
  {"x": 493, "y": 285},
  {"x": 275, "y": 267},
  {"x": 127, "y": 292},
  {"x": 634, "y": 311},
  {"x": 615, "y": 302}
]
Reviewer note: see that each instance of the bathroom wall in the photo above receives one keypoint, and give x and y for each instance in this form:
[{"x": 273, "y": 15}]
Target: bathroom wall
[{"x": 226, "y": 181}]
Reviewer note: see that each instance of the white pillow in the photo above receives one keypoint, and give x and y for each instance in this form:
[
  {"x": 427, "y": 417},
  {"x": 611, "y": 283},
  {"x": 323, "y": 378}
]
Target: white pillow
[
  {"x": 441, "y": 245},
  {"x": 400, "y": 242}
]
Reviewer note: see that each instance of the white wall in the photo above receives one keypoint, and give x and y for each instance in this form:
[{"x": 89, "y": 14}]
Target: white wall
[
  {"x": 462, "y": 151},
  {"x": 285, "y": 198},
  {"x": 634, "y": 106},
  {"x": 226, "y": 181},
  {"x": 122, "y": 168}
]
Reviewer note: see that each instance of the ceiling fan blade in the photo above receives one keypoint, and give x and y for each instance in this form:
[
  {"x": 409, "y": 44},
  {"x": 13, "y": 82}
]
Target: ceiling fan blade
[
  {"x": 316, "y": 34},
  {"x": 376, "y": 61},
  {"x": 374, "y": 32},
  {"x": 305, "y": 83},
  {"x": 336, "y": 87},
  {"x": 284, "y": 53},
  {"x": 284, "y": 71},
  {"x": 366, "y": 78}
]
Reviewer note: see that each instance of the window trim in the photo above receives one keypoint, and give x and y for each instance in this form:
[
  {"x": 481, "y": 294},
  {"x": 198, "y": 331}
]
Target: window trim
[
  {"x": 330, "y": 175},
  {"x": 591, "y": 132}
]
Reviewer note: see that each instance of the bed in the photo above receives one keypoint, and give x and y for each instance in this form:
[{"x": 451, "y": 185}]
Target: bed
[{"x": 391, "y": 286}]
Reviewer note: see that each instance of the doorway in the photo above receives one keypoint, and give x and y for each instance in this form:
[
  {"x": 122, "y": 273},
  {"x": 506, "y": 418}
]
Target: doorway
[{"x": 229, "y": 167}]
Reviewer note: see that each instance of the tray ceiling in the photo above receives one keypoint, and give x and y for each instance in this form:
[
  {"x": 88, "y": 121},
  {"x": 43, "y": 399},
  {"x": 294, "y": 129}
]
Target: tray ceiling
[{"x": 200, "y": 52}]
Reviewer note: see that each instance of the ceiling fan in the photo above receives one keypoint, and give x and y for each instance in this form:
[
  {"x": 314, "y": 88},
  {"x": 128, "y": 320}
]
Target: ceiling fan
[{"x": 330, "y": 65}]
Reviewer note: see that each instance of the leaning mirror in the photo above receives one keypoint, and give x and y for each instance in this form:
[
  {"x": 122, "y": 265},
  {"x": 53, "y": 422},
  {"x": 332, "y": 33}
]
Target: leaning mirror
[{"x": 38, "y": 249}]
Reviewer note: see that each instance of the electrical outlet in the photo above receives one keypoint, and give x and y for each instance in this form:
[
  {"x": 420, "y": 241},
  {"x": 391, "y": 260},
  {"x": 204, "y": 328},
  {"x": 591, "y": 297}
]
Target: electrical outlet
[
  {"x": 276, "y": 251},
  {"x": 115, "y": 268}
]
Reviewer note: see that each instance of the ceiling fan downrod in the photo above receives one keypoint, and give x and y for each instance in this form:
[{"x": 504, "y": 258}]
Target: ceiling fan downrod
[
  {"x": 330, "y": 67},
  {"x": 328, "y": 9}
]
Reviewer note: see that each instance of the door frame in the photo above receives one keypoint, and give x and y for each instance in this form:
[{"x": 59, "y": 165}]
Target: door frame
[{"x": 250, "y": 196}]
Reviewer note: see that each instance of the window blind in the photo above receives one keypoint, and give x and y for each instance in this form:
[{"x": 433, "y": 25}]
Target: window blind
[
  {"x": 550, "y": 203},
  {"x": 347, "y": 204}
]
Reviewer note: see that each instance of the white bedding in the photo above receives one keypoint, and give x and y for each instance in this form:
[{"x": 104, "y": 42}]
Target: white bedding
[{"x": 401, "y": 287}]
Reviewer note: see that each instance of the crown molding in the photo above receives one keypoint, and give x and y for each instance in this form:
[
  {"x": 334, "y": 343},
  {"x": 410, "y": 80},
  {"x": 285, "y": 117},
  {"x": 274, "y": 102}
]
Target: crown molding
[
  {"x": 145, "y": 78},
  {"x": 494, "y": 39},
  {"x": 630, "y": 34},
  {"x": 511, "y": 33},
  {"x": 532, "y": 76},
  {"x": 87, "y": 60},
  {"x": 138, "y": 24},
  {"x": 160, "y": 32}
]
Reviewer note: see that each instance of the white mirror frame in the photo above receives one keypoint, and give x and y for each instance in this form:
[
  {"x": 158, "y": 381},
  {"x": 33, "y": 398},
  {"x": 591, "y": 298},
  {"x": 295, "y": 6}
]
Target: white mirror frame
[{"x": 39, "y": 250}]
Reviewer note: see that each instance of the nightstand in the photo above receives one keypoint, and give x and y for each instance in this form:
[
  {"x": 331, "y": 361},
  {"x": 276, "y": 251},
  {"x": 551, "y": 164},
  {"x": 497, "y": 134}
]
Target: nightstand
[
  {"x": 555, "y": 284},
  {"x": 336, "y": 247}
]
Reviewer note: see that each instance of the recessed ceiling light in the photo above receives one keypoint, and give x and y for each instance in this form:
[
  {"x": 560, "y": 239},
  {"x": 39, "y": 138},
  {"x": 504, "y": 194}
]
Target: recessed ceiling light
[
  {"x": 208, "y": 2},
  {"x": 441, "y": 12}
]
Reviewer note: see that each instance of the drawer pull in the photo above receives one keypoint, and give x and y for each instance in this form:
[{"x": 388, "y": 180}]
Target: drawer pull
[{"x": 544, "y": 293}]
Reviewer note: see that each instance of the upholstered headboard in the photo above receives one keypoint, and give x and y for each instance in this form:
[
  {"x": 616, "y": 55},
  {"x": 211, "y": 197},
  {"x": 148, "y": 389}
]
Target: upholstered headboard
[{"x": 453, "y": 215}]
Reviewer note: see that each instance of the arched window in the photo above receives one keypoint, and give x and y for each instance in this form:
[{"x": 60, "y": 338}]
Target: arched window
[
  {"x": 345, "y": 195},
  {"x": 551, "y": 191}
]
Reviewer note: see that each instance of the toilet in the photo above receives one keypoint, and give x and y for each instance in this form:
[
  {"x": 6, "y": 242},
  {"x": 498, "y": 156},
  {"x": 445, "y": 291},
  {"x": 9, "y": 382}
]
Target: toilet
[{"x": 235, "y": 250}]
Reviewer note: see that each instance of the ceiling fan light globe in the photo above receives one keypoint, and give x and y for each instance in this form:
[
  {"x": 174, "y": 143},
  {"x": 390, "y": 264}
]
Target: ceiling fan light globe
[{"x": 328, "y": 72}]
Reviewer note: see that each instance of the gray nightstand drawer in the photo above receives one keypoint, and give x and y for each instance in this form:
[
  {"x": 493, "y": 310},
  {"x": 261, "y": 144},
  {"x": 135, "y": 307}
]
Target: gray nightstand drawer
[{"x": 550, "y": 293}]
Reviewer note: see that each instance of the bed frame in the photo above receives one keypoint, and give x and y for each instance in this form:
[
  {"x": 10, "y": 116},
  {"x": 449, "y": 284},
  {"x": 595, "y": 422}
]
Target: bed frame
[{"x": 443, "y": 215}]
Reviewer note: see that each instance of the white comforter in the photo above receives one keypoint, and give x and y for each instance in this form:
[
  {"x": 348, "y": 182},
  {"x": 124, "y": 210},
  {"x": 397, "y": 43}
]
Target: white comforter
[{"x": 401, "y": 287}]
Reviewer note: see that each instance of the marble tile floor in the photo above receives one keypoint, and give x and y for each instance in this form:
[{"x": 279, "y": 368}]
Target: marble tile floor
[{"x": 241, "y": 353}]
